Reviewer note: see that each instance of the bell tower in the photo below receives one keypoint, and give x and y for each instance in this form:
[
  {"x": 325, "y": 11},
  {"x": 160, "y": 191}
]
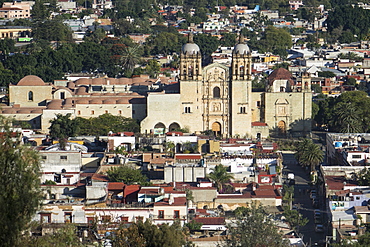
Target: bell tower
[
  {"x": 190, "y": 61},
  {"x": 241, "y": 90}
]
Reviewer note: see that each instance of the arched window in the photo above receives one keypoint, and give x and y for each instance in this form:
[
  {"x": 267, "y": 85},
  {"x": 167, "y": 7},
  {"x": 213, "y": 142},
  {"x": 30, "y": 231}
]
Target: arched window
[
  {"x": 216, "y": 92},
  {"x": 30, "y": 96}
]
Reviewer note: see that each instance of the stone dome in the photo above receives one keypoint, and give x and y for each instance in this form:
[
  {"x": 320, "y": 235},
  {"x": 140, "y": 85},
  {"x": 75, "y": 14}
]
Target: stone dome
[
  {"x": 31, "y": 80},
  {"x": 241, "y": 49},
  {"x": 190, "y": 49}
]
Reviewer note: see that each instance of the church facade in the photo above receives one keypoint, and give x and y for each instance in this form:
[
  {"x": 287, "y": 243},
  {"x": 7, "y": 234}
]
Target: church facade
[{"x": 219, "y": 98}]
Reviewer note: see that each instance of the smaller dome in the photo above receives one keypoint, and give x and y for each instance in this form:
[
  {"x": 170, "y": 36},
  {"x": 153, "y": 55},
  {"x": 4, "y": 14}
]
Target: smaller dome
[
  {"x": 96, "y": 101},
  {"x": 81, "y": 90},
  {"x": 109, "y": 101},
  {"x": 190, "y": 49},
  {"x": 82, "y": 101},
  {"x": 98, "y": 81},
  {"x": 31, "y": 80},
  {"x": 71, "y": 85},
  {"x": 83, "y": 81}
]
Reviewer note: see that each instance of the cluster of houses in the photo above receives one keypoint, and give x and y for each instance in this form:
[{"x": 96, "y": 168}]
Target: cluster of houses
[
  {"x": 77, "y": 190},
  {"x": 347, "y": 200}
]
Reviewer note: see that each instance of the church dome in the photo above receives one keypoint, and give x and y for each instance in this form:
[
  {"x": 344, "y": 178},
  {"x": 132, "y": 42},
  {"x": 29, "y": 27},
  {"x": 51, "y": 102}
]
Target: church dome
[
  {"x": 190, "y": 48},
  {"x": 241, "y": 47},
  {"x": 31, "y": 80}
]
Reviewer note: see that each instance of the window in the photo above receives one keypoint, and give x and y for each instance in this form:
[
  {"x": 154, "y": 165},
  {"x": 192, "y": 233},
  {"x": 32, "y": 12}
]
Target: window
[
  {"x": 30, "y": 96},
  {"x": 176, "y": 214},
  {"x": 120, "y": 112},
  {"x": 79, "y": 112},
  {"x": 216, "y": 92},
  {"x": 139, "y": 218},
  {"x": 124, "y": 219},
  {"x": 105, "y": 218},
  {"x": 45, "y": 218},
  {"x": 62, "y": 95},
  {"x": 92, "y": 112},
  {"x": 242, "y": 110},
  {"x": 356, "y": 156},
  {"x": 282, "y": 89},
  {"x": 187, "y": 109},
  {"x": 258, "y": 103},
  {"x": 68, "y": 181},
  {"x": 90, "y": 220},
  {"x": 63, "y": 157},
  {"x": 68, "y": 217},
  {"x": 106, "y": 111},
  {"x": 160, "y": 214},
  {"x": 43, "y": 157}
]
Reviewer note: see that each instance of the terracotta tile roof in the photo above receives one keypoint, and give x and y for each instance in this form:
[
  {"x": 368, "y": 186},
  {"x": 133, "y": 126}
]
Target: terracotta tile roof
[
  {"x": 337, "y": 182},
  {"x": 188, "y": 156},
  {"x": 130, "y": 189},
  {"x": 280, "y": 74},
  {"x": 210, "y": 220},
  {"x": 149, "y": 191},
  {"x": 100, "y": 177},
  {"x": 115, "y": 186},
  {"x": 259, "y": 124},
  {"x": 177, "y": 201}
]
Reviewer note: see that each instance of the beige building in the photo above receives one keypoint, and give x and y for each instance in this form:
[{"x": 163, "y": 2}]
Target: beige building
[
  {"x": 36, "y": 102},
  {"x": 220, "y": 99},
  {"x": 15, "y": 10}
]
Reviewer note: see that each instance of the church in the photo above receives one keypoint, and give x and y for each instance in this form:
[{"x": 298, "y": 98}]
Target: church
[{"x": 220, "y": 99}]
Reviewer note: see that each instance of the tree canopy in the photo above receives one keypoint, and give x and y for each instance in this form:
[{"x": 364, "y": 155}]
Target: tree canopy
[
  {"x": 253, "y": 228},
  {"x": 127, "y": 175},
  {"x": 145, "y": 234},
  {"x": 309, "y": 154},
  {"x": 20, "y": 194},
  {"x": 220, "y": 176}
]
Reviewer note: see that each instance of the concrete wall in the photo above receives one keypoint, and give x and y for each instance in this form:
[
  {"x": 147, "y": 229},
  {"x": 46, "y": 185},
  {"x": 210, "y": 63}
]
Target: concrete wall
[{"x": 183, "y": 174}]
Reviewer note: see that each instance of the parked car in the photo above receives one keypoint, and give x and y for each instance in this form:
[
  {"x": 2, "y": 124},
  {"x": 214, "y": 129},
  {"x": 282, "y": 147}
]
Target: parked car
[{"x": 319, "y": 228}]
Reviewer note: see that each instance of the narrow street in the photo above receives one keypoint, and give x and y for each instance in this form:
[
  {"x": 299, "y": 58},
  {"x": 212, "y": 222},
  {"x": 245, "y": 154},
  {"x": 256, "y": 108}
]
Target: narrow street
[{"x": 303, "y": 201}]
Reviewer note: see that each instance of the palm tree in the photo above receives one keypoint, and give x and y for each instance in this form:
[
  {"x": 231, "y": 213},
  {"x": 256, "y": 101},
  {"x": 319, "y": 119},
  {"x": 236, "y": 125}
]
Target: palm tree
[
  {"x": 219, "y": 176},
  {"x": 130, "y": 57},
  {"x": 309, "y": 154}
]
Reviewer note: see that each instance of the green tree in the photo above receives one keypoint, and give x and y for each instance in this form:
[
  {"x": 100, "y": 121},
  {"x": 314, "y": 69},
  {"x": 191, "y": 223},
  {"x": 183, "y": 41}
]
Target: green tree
[
  {"x": 207, "y": 44},
  {"x": 146, "y": 234},
  {"x": 294, "y": 218},
  {"x": 130, "y": 58},
  {"x": 62, "y": 127},
  {"x": 309, "y": 154},
  {"x": 253, "y": 228},
  {"x": 326, "y": 74},
  {"x": 346, "y": 118},
  {"x": 363, "y": 177},
  {"x": 66, "y": 236},
  {"x": 20, "y": 194},
  {"x": 228, "y": 39},
  {"x": 127, "y": 175},
  {"x": 220, "y": 176},
  {"x": 52, "y": 30},
  {"x": 276, "y": 40},
  {"x": 153, "y": 68}
]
